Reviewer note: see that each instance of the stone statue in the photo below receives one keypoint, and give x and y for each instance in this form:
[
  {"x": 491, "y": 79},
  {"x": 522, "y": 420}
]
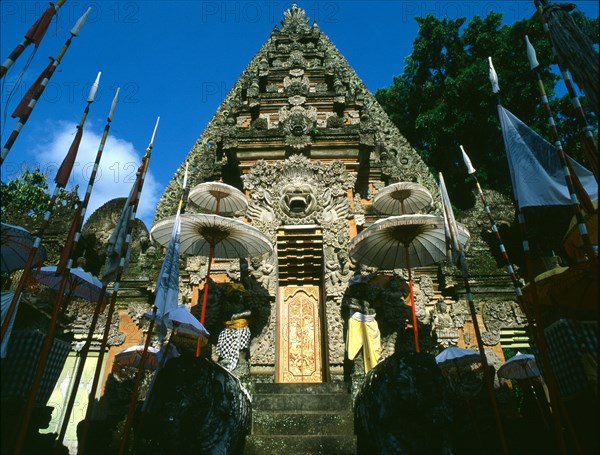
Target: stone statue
[
  {"x": 235, "y": 337},
  {"x": 363, "y": 330},
  {"x": 442, "y": 324}
]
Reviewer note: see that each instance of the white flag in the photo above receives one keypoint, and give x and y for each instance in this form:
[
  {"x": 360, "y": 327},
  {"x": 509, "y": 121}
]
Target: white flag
[
  {"x": 167, "y": 285},
  {"x": 535, "y": 170},
  {"x": 470, "y": 168},
  {"x": 449, "y": 223}
]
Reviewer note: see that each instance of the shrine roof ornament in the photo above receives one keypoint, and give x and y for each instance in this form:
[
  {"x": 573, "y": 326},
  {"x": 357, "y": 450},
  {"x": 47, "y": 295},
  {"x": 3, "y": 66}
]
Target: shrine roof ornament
[
  {"x": 293, "y": 76},
  {"x": 294, "y": 20}
]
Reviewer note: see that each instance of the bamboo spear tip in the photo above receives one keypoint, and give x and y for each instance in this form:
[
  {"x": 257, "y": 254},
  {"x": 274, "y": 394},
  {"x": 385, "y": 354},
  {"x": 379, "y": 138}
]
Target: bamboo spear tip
[{"x": 80, "y": 22}]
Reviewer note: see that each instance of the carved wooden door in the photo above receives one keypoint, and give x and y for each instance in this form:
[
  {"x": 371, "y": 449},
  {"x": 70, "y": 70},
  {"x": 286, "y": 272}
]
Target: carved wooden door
[{"x": 299, "y": 340}]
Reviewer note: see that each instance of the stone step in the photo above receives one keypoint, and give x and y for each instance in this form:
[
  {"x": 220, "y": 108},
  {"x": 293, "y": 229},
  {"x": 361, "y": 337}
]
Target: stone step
[
  {"x": 302, "y": 402},
  {"x": 305, "y": 445},
  {"x": 319, "y": 387},
  {"x": 302, "y": 423}
]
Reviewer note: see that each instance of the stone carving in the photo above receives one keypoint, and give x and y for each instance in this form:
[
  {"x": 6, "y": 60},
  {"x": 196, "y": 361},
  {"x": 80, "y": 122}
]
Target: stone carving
[
  {"x": 321, "y": 87},
  {"x": 295, "y": 21},
  {"x": 443, "y": 325},
  {"x": 499, "y": 314},
  {"x": 397, "y": 159},
  {"x": 301, "y": 191},
  {"x": 296, "y": 86},
  {"x": 335, "y": 121},
  {"x": 491, "y": 338},
  {"x": 98, "y": 229},
  {"x": 260, "y": 124},
  {"x": 297, "y": 191},
  {"x": 334, "y": 272},
  {"x": 263, "y": 271},
  {"x": 80, "y": 313},
  {"x": 296, "y": 100}
]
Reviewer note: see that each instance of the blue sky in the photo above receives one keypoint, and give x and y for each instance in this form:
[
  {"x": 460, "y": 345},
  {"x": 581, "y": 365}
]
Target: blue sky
[{"x": 178, "y": 60}]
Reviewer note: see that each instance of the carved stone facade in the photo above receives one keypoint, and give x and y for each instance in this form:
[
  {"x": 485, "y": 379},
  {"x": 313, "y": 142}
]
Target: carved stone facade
[{"x": 300, "y": 133}]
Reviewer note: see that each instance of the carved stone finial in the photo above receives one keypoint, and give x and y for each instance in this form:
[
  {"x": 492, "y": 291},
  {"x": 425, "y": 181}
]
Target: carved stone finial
[{"x": 295, "y": 21}]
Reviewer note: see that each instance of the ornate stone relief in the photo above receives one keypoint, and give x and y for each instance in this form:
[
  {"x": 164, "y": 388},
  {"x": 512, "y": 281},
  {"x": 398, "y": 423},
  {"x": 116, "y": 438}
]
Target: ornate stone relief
[
  {"x": 296, "y": 124},
  {"x": 295, "y": 21},
  {"x": 301, "y": 191},
  {"x": 499, "y": 314},
  {"x": 296, "y": 85},
  {"x": 399, "y": 162},
  {"x": 296, "y": 60},
  {"x": 297, "y": 191}
]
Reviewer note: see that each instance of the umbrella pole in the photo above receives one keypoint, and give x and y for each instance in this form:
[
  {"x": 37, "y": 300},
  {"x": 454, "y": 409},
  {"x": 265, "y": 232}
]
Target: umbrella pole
[
  {"x": 211, "y": 253},
  {"x": 136, "y": 386},
  {"x": 412, "y": 301},
  {"x": 205, "y": 296}
]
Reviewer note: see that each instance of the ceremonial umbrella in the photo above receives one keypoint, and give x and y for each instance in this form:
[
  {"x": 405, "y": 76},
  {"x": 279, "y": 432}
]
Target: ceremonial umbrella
[
  {"x": 182, "y": 321},
  {"x": 453, "y": 357},
  {"x": 524, "y": 367},
  {"x": 521, "y": 366},
  {"x": 132, "y": 356},
  {"x": 79, "y": 284},
  {"x": 218, "y": 197},
  {"x": 213, "y": 236},
  {"x": 402, "y": 198},
  {"x": 15, "y": 244},
  {"x": 403, "y": 241}
]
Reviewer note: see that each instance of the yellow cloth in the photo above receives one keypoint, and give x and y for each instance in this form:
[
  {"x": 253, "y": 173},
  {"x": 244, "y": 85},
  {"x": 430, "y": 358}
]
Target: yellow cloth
[
  {"x": 236, "y": 324},
  {"x": 363, "y": 332},
  {"x": 236, "y": 287}
]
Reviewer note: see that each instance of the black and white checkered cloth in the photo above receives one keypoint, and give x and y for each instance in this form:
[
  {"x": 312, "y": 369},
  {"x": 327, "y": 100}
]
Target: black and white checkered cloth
[
  {"x": 18, "y": 368},
  {"x": 231, "y": 342},
  {"x": 567, "y": 342}
]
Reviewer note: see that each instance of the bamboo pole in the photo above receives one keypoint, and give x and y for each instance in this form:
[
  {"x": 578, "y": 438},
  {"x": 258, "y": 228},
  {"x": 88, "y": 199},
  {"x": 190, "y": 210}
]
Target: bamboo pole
[
  {"x": 47, "y": 74},
  {"x": 33, "y": 35},
  {"x": 589, "y": 144},
  {"x": 57, "y": 307},
  {"x": 462, "y": 262},
  {"x": 136, "y": 193},
  {"x": 100, "y": 304}
]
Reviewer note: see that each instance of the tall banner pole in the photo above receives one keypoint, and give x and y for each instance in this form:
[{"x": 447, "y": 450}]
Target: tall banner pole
[
  {"x": 34, "y": 35},
  {"x": 101, "y": 300},
  {"x": 25, "y": 107},
  {"x": 123, "y": 254}
]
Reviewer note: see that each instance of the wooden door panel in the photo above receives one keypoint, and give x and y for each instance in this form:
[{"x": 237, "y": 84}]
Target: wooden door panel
[{"x": 299, "y": 327}]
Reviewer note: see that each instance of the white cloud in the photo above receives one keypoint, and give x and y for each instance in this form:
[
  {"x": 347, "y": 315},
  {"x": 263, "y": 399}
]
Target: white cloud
[{"x": 116, "y": 172}]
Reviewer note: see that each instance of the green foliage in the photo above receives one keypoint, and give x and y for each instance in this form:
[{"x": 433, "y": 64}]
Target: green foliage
[
  {"x": 444, "y": 99},
  {"x": 26, "y": 198},
  {"x": 26, "y": 195}
]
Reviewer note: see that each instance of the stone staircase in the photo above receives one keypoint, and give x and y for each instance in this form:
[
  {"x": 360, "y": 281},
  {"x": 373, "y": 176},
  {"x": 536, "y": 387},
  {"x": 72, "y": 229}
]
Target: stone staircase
[{"x": 301, "y": 419}]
